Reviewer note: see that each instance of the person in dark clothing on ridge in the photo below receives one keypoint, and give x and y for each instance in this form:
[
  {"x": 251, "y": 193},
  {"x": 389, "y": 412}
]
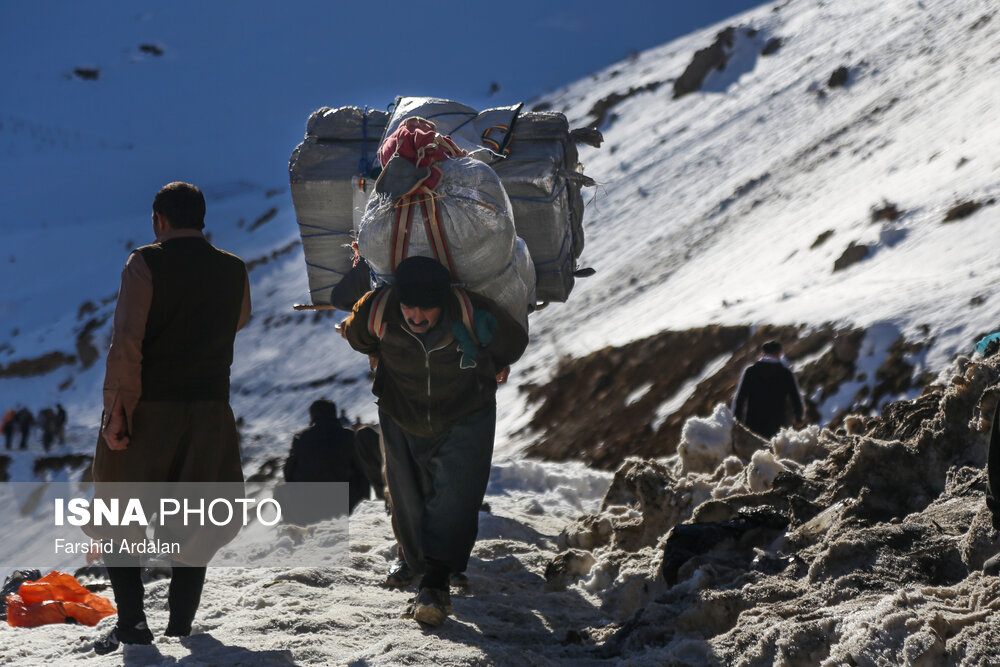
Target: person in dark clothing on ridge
[
  {"x": 47, "y": 422},
  {"x": 992, "y": 565},
  {"x": 325, "y": 452},
  {"x": 7, "y": 426},
  {"x": 763, "y": 392},
  {"x": 24, "y": 420},
  {"x": 61, "y": 423}
]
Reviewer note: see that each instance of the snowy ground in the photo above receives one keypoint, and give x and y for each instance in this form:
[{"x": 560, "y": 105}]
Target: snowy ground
[{"x": 344, "y": 615}]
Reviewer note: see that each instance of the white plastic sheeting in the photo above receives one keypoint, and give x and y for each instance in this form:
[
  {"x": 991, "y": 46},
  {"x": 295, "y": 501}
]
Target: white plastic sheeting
[
  {"x": 535, "y": 183},
  {"x": 326, "y": 172},
  {"x": 476, "y": 219}
]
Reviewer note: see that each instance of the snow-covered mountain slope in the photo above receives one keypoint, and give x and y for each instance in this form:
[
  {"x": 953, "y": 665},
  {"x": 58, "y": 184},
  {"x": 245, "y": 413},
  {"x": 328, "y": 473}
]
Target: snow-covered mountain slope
[
  {"x": 728, "y": 205},
  {"x": 732, "y": 204}
]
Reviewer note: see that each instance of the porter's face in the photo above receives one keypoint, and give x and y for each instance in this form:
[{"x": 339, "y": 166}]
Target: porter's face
[{"x": 420, "y": 320}]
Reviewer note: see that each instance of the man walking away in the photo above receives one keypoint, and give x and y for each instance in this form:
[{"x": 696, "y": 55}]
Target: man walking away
[
  {"x": 47, "y": 422},
  {"x": 61, "y": 423},
  {"x": 761, "y": 400},
  {"x": 441, "y": 355},
  {"x": 24, "y": 420},
  {"x": 7, "y": 426},
  {"x": 166, "y": 389}
]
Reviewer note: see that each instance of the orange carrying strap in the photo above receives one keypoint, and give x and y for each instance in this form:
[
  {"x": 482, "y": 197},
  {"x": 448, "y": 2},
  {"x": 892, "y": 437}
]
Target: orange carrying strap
[
  {"x": 435, "y": 232},
  {"x": 376, "y": 321},
  {"x": 425, "y": 198}
]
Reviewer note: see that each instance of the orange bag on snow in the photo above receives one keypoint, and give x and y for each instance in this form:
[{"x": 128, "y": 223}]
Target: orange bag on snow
[{"x": 55, "y": 598}]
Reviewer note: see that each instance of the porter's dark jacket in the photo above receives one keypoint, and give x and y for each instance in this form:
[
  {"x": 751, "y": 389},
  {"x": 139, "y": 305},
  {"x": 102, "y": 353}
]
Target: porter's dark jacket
[{"x": 426, "y": 391}]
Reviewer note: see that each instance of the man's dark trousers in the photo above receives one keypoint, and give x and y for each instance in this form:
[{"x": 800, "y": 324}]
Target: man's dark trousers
[{"x": 437, "y": 487}]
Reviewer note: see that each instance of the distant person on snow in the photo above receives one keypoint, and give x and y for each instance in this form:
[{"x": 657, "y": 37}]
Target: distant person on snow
[
  {"x": 436, "y": 383},
  {"x": 61, "y": 423},
  {"x": 7, "y": 426},
  {"x": 167, "y": 416},
  {"x": 47, "y": 422},
  {"x": 325, "y": 452},
  {"x": 24, "y": 420},
  {"x": 766, "y": 387},
  {"x": 992, "y": 566}
]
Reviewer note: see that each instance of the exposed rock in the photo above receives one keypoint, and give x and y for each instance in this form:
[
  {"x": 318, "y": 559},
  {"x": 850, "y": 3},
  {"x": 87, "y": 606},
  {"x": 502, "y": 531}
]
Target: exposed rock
[
  {"x": 274, "y": 254},
  {"x": 839, "y": 77},
  {"x": 821, "y": 239},
  {"x": 886, "y": 211},
  {"x": 86, "y": 351},
  {"x": 772, "y": 46},
  {"x": 962, "y": 210},
  {"x": 592, "y": 410},
  {"x": 24, "y": 368},
  {"x": 73, "y": 462},
  {"x": 266, "y": 217},
  {"x": 705, "y": 60},
  {"x": 599, "y": 111},
  {"x": 854, "y": 253},
  {"x": 885, "y": 525}
]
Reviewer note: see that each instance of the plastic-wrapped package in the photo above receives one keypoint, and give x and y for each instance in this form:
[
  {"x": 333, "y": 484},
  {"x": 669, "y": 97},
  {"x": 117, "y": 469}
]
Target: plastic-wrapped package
[
  {"x": 328, "y": 174},
  {"x": 533, "y": 179},
  {"x": 474, "y": 214},
  {"x": 513, "y": 289},
  {"x": 542, "y": 177}
]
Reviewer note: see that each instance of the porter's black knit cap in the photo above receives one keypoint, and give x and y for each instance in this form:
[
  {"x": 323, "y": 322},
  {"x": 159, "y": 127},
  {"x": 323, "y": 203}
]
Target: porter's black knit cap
[{"x": 422, "y": 282}]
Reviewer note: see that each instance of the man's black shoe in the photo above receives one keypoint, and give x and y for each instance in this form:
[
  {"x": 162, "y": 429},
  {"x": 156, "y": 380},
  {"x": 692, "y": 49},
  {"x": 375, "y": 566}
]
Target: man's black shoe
[
  {"x": 458, "y": 580},
  {"x": 399, "y": 575},
  {"x": 173, "y": 631},
  {"x": 139, "y": 634}
]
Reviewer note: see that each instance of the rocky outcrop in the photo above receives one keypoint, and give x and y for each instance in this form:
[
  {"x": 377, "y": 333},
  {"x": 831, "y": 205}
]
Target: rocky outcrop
[
  {"x": 705, "y": 60},
  {"x": 634, "y": 400},
  {"x": 882, "y": 522}
]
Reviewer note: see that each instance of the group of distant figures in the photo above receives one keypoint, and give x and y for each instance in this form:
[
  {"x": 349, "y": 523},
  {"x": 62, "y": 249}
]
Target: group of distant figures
[{"x": 19, "y": 420}]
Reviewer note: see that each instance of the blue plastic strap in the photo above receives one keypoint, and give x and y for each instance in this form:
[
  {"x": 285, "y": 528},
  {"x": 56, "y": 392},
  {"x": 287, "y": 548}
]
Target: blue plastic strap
[{"x": 986, "y": 340}]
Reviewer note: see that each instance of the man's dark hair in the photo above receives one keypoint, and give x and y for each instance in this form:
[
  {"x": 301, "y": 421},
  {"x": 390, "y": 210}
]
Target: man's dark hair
[
  {"x": 771, "y": 347},
  {"x": 323, "y": 411},
  {"x": 182, "y": 204}
]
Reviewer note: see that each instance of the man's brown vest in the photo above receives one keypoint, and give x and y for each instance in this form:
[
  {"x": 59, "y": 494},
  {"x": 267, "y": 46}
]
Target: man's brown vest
[{"x": 197, "y": 296}]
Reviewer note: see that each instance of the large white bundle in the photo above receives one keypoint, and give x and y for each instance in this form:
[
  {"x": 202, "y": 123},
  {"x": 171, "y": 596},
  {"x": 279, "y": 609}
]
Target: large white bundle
[
  {"x": 541, "y": 175},
  {"x": 513, "y": 289},
  {"x": 327, "y": 173},
  {"x": 475, "y": 218}
]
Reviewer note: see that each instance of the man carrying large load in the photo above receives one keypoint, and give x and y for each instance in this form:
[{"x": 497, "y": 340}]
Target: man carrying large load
[
  {"x": 441, "y": 354},
  {"x": 452, "y": 256}
]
